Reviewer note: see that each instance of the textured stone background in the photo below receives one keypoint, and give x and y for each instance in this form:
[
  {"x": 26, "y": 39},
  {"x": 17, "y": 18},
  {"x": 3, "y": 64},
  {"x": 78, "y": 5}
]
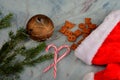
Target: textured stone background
[{"x": 69, "y": 68}]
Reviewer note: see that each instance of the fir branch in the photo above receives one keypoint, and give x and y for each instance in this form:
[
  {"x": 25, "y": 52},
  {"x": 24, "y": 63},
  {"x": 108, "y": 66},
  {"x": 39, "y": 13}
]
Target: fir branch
[
  {"x": 33, "y": 52},
  {"x": 10, "y": 77},
  {"x": 20, "y": 35},
  {"x": 6, "y": 48},
  {"x": 13, "y": 67},
  {"x": 0, "y": 12},
  {"x": 11, "y": 44},
  {"x": 5, "y": 21},
  {"x": 12, "y": 56},
  {"x": 10, "y": 50},
  {"x": 19, "y": 66},
  {"x": 7, "y": 66},
  {"x": 41, "y": 59},
  {"x": 8, "y": 69}
]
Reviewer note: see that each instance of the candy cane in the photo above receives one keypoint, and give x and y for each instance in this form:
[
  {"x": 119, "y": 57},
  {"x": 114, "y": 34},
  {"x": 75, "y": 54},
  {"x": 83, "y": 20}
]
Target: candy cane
[{"x": 56, "y": 60}]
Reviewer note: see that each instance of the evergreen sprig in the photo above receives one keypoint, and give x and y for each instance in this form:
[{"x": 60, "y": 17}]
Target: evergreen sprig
[
  {"x": 33, "y": 52},
  {"x": 42, "y": 58},
  {"x": 9, "y": 51},
  {"x": 0, "y": 12},
  {"x": 14, "y": 40},
  {"x": 5, "y": 21},
  {"x": 9, "y": 64}
]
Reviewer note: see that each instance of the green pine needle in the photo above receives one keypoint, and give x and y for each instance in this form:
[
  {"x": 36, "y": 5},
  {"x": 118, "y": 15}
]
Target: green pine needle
[
  {"x": 5, "y": 21},
  {"x": 10, "y": 50},
  {"x": 20, "y": 35},
  {"x": 6, "y": 48},
  {"x": 33, "y": 52},
  {"x": 9, "y": 65},
  {"x": 11, "y": 44},
  {"x": 41, "y": 59},
  {"x": 8, "y": 69},
  {"x": 0, "y": 12}
]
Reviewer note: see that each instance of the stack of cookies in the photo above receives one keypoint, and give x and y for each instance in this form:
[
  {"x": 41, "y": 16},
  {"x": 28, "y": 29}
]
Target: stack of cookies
[{"x": 84, "y": 29}]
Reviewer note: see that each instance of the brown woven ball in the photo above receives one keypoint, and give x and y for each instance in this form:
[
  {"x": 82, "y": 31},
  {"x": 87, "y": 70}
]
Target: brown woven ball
[{"x": 40, "y": 27}]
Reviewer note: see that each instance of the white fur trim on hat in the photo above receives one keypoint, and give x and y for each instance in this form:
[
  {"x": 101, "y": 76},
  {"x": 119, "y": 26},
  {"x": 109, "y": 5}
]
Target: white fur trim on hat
[
  {"x": 89, "y": 76},
  {"x": 88, "y": 48}
]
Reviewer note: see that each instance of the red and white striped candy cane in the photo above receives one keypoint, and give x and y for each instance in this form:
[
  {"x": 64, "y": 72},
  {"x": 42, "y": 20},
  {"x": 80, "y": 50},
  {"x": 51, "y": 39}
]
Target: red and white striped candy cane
[{"x": 56, "y": 60}]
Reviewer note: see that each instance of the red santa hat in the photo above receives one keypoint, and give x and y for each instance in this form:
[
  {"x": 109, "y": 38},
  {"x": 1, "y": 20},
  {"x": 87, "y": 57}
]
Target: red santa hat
[
  {"x": 111, "y": 72},
  {"x": 102, "y": 46}
]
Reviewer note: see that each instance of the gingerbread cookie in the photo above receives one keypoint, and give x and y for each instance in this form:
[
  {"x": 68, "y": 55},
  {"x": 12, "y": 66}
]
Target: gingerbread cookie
[
  {"x": 69, "y": 24},
  {"x": 77, "y": 33},
  {"x": 87, "y": 20},
  {"x": 74, "y": 46},
  {"x": 82, "y": 26},
  {"x": 92, "y": 26},
  {"x": 63, "y": 30},
  {"x": 72, "y": 38},
  {"x": 85, "y": 35},
  {"x": 68, "y": 33},
  {"x": 84, "y": 30},
  {"x": 79, "y": 42}
]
